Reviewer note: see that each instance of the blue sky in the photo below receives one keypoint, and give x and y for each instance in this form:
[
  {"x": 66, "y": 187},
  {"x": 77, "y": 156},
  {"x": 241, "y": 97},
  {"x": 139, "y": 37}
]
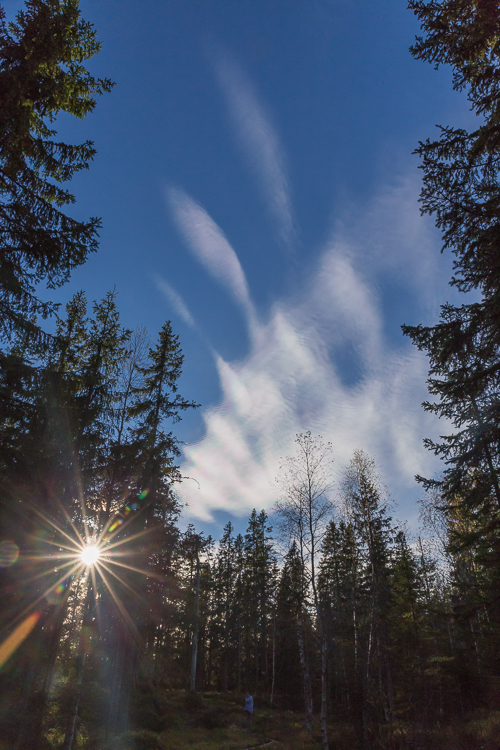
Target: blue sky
[{"x": 256, "y": 184}]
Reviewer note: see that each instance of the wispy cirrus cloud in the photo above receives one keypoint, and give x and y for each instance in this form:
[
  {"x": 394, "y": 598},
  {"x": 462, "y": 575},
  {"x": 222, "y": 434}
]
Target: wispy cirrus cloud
[
  {"x": 210, "y": 246},
  {"x": 295, "y": 378},
  {"x": 176, "y": 301},
  {"x": 260, "y": 143}
]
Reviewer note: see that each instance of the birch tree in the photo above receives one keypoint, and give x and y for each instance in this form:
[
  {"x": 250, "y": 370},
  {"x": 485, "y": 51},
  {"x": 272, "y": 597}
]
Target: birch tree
[{"x": 303, "y": 512}]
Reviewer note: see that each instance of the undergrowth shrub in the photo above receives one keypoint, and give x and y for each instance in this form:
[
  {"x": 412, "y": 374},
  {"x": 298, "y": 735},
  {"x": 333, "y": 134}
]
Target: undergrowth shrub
[
  {"x": 193, "y": 701},
  {"x": 212, "y": 718}
]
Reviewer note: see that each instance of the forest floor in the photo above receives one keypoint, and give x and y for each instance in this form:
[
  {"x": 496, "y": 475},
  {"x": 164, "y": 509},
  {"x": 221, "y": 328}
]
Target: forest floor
[
  {"x": 177, "y": 720},
  {"x": 216, "y": 721}
]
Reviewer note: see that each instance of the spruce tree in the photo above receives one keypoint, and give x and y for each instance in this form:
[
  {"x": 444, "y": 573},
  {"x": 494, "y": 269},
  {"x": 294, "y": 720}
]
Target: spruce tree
[
  {"x": 225, "y": 574},
  {"x": 461, "y": 189},
  {"x": 366, "y": 506},
  {"x": 339, "y": 590},
  {"x": 292, "y": 665},
  {"x": 409, "y": 646},
  {"x": 41, "y": 75},
  {"x": 157, "y": 400},
  {"x": 258, "y": 581}
]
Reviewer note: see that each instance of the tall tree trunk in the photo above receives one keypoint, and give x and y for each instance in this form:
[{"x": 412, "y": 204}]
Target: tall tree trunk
[
  {"x": 225, "y": 668},
  {"x": 274, "y": 660},
  {"x": 306, "y": 678},
  {"x": 37, "y": 700},
  {"x": 80, "y": 669},
  {"x": 70, "y": 730},
  {"x": 239, "y": 653},
  {"x": 126, "y": 651},
  {"x": 319, "y": 621},
  {"x": 224, "y": 674},
  {"x": 194, "y": 654},
  {"x": 23, "y": 708},
  {"x": 256, "y": 651},
  {"x": 359, "y": 693},
  {"x": 115, "y": 690},
  {"x": 322, "y": 718},
  {"x": 208, "y": 678}
]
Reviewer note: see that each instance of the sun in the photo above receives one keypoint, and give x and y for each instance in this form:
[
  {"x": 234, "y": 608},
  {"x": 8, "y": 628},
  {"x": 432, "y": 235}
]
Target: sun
[
  {"x": 82, "y": 554},
  {"x": 90, "y": 555}
]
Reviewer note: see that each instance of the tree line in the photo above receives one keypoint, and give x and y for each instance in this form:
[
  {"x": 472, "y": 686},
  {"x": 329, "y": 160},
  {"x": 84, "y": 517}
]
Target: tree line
[{"x": 392, "y": 635}]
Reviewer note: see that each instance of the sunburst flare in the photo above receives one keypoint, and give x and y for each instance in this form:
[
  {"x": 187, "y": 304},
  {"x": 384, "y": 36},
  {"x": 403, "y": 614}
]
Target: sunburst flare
[
  {"x": 90, "y": 555},
  {"x": 87, "y": 556}
]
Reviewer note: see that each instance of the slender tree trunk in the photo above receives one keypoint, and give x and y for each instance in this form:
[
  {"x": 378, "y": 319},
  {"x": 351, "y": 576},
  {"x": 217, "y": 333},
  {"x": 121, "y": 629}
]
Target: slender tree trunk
[
  {"x": 49, "y": 644},
  {"x": 324, "y": 670},
  {"x": 256, "y": 661},
  {"x": 306, "y": 678},
  {"x": 239, "y": 652},
  {"x": 80, "y": 669},
  {"x": 319, "y": 620},
  {"x": 23, "y": 709},
  {"x": 369, "y": 653},
  {"x": 116, "y": 690},
  {"x": 324, "y": 687},
  {"x": 225, "y": 675},
  {"x": 274, "y": 660},
  {"x": 225, "y": 669},
  {"x": 194, "y": 654},
  {"x": 359, "y": 700},
  {"x": 208, "y": 679},
  {"x": 70, "y": 730}
]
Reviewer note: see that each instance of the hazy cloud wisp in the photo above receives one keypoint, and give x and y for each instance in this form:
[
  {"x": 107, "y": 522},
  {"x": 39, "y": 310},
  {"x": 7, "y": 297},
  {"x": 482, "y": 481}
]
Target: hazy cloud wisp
[
  {"x": 209, "y": 244},
  {"x": 176, "y": 301},
  {"x": 260, "y": 143}
]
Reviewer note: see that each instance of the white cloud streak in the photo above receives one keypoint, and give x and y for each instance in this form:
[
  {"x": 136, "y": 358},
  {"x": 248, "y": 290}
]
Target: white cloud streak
[
  {"x": 210, "y": 246},
  {"x": 260, "y": 143},
  {"x": 293, "y": 379},
  {"x": 176, "y": 301}
]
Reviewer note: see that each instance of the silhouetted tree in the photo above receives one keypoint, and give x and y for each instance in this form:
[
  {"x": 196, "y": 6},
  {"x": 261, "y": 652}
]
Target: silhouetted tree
[{"x": 41, "y": 75}]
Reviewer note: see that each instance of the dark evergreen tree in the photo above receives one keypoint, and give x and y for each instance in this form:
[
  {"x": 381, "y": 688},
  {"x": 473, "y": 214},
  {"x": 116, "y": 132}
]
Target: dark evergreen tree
[
  {"x": 41, "y": 75},
  {"x": 461, "y": 188},
  {"x": 105, "y": 351},
  {"x": 410, "y": 643},
  {"x": 123, "y": 450},
  {"x": 339, "y": 587},
  {"x": 258, "y": 582},
  {"x": 238, "y": 609},
  {"x": 196, "y": 584},
  {"x": 223, "y": 625},
  {"x": 157, "y": 400},
  {"x": 366, "y": 508},
  {"x": 150, "y": 487},
  {"x": 293, "y": 679},
  {"x": 462, "y": 607}
]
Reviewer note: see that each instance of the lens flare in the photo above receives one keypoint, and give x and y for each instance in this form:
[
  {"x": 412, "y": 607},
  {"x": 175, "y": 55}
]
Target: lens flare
[
  {"x": 90, "y": 555},
  {"x": 15, "y": 639},
  {"x": 9, "y": 552},
  {"x": 76, "y": 555}
]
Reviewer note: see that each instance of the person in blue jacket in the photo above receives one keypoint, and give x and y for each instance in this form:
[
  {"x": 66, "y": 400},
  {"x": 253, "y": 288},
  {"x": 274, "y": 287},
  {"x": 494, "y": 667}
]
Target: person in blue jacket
[{"x": 249, "y": 708}]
